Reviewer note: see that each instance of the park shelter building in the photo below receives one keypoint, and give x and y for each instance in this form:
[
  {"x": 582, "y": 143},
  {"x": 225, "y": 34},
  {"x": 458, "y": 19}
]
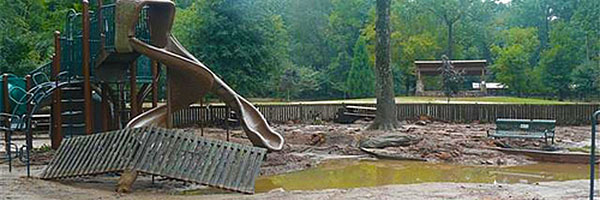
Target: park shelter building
[{"x": 432, "y": 68}]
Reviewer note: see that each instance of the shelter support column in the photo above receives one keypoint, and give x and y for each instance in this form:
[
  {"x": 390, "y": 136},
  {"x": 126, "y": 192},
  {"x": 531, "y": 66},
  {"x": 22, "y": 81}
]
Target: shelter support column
[{"x": 482, "y": 83}]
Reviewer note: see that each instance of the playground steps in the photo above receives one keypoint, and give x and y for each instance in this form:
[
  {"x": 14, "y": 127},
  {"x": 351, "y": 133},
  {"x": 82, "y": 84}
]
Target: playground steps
[
  {"x": 169, "y": 153},
  {"x": 72, "y": 105},
  {"x": 73, "y": 119}
]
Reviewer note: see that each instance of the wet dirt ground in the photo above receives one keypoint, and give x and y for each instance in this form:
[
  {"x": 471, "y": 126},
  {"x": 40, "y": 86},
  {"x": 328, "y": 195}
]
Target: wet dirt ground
[
  {"x": 16, "y": 187},
  {"x": 307, "y": 145}
]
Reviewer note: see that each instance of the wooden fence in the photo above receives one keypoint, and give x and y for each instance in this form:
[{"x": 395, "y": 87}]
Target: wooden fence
[{"x": 569, "y": 114}]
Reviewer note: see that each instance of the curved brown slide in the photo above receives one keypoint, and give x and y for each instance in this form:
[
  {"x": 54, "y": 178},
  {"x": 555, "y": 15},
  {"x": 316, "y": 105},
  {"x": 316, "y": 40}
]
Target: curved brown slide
[{"x": 189, "y": 81}]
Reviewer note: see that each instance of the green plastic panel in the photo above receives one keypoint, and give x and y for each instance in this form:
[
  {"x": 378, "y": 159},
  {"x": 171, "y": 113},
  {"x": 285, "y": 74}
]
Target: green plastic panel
[{"x": 17, "y": 87}]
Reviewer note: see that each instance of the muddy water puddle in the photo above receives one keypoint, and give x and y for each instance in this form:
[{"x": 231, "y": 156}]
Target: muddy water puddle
[{"x": 368, "y": 173}]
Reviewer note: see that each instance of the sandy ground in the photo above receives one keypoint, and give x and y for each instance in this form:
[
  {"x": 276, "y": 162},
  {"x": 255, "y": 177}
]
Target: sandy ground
[{"x": 308, "y": 144}]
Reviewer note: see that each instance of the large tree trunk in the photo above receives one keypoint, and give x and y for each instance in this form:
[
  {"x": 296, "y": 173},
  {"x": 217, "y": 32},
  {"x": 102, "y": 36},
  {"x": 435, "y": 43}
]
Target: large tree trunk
[{"x": 384, "y": 88}]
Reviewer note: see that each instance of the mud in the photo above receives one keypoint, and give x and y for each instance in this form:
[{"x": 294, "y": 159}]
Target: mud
[
  {"x": 308, "y": 145},
  {"x": 466, "y": 144},
  {"x": 102, "y": 187}
]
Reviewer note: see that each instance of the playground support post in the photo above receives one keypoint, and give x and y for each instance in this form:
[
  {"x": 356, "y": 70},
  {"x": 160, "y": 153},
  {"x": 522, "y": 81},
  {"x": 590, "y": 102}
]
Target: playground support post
[
  {"x": 133, "y": 104},
  {"x": 56, "y": 104},
  {"x": 87, "y": 90},
  {"x": 29, "y": 136},
  {"x": 593, "y": 153}
]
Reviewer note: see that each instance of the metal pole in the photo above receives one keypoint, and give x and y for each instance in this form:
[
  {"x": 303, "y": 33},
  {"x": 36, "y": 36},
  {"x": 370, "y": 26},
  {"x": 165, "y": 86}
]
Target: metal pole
[
  {"x": 593, "y": 153},
  {"x": 101, "y": 25},
  {"x": 8, "y": 133},
  {"x": 29, "y": 136},
  {"x": 154, "y": 83},
  {"x": 105, "y": 108},
  {"x": 133, "y": 104},
  {"x": 201, "y": 117},
  {"x": 227, "y": 122},
  {"x": 56, "y": 104},
  {"x": 169, "y": 101},
  {"x": 87, "y": 90},
  {"x": 120, "y": 106}
]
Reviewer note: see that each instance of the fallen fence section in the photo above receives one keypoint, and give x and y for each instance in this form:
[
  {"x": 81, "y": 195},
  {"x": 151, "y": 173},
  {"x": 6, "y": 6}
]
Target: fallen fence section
[{"x": 169, "y": 153}]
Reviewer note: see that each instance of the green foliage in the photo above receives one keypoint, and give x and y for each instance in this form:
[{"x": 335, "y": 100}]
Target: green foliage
[
  {"x": 238, "y": 40},
  {"x": 307, "y": 23},
  {"x": 532, "y": 46},
  {"x": 513, "y": 53},
  {"x": 587, "y": 17},
  {"x": 560, "y": 59},
  {"x": 26, "y": 32},
  {"x": 297, "y": 80},
  {"x": 361, "y": 78},
  {"x": 586, "y": 79}
]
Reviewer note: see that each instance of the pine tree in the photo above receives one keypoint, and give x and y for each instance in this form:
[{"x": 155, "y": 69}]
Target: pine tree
[{"x": 361, "y": 79}]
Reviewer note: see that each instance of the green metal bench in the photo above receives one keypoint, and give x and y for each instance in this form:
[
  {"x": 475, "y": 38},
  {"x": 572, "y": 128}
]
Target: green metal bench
[{"x": 524, "y": 128}]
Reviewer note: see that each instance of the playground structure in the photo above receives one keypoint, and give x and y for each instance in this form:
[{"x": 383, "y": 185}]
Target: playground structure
[{"x": 97, "y": 50}]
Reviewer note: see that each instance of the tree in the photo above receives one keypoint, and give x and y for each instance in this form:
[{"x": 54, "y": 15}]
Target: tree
[
  {"x": 346, "y": 20},
  {"x": 452, "y": 79},
  {"x": 558, "y": 61},
  {"x": 513, "y": 52},
  {"x": 360, "y": 80},
  {"x": 587, "y": 17},
  {"x": 295, "y": 80},
  {"x": 384, "y": 89},
  {"x": 307, "y": 22},
  {"x": 26, "y": 33},
  {"x": 586, "y": 79},
  {"x": 240, "y": 40},
  {"x": 449, "y": 13}
]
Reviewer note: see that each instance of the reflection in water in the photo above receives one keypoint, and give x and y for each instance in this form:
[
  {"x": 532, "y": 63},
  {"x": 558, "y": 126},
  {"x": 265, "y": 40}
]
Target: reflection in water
[{"x": 354, "y": 173}]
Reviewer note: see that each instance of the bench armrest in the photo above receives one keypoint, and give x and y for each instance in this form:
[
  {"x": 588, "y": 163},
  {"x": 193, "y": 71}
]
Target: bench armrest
[{"x": 549, "y": 133}]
